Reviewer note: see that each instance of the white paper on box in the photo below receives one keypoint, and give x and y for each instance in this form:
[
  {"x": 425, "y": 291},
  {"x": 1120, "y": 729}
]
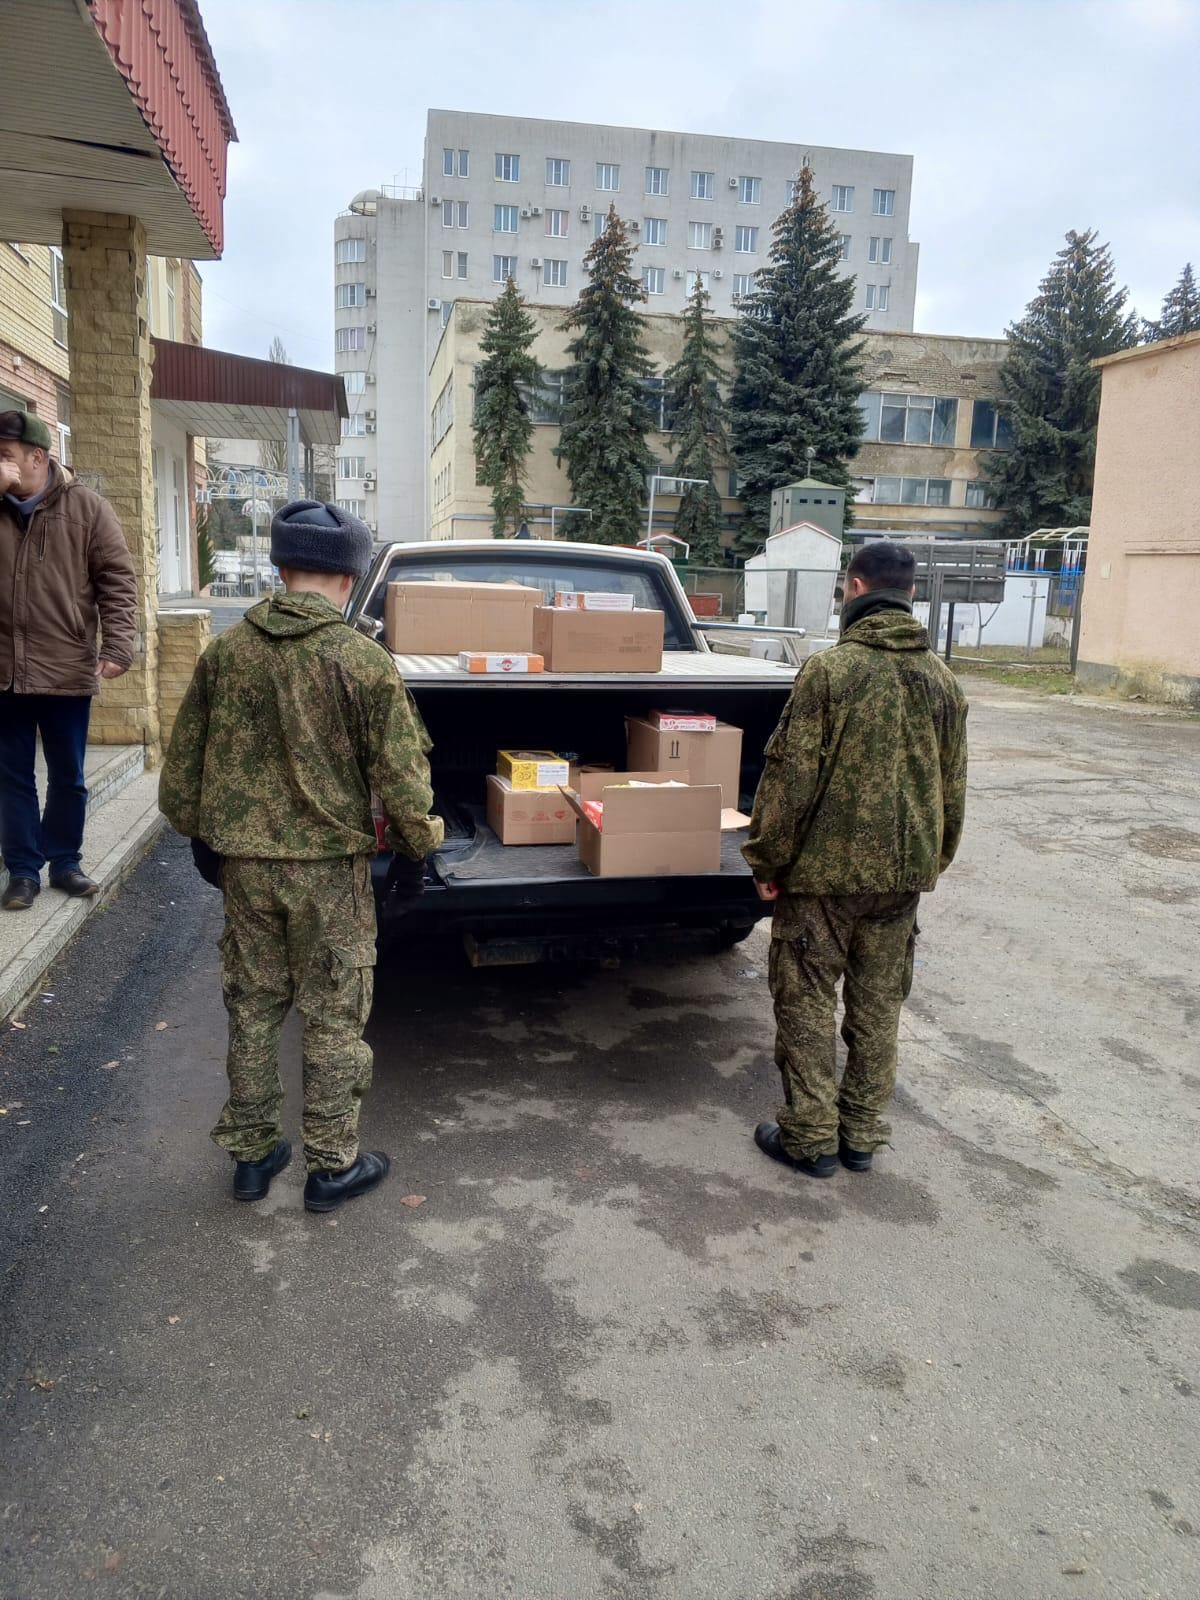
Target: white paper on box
[{"x": 592, "y": 600}]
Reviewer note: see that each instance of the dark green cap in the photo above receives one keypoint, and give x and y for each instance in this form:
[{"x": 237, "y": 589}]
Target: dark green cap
[{"x": 25, "y": 428}]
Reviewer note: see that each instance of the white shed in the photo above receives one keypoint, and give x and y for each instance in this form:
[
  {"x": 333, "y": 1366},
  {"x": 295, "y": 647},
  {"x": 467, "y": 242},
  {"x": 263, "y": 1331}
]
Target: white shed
[{"x": 790, "y": 583}]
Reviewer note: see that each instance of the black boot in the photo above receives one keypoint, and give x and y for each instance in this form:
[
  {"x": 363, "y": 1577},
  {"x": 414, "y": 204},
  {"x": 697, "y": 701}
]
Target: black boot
[
  {"x": 20, "y": 893},
  {"x": 75, "y": 883},
  {"x": 326, "y": 1191},
  {"x": 854, "y": 1160},
  {"x": 770, "y": 1141},
  {"x": 252, "y": 1179}
]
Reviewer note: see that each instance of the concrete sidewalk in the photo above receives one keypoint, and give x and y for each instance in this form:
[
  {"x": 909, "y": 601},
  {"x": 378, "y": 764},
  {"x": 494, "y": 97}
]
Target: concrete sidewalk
[{"x": 123, "y": 819}]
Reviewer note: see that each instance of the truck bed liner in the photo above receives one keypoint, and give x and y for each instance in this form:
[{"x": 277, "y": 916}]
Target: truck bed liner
[{"x": 485, "y": 859}]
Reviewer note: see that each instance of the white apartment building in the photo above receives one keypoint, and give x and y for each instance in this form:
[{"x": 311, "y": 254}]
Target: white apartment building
[{"x": 524, "y": 198}]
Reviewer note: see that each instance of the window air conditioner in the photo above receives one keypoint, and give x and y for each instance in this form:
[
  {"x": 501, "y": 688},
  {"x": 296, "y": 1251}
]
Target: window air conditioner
[
  {"x": 733, "y": 183},
  {"x": 526, "y": 212},
  {"x": 635, "y": 226},
  {"x": 370, "y": 416},
  {"x": 536, "y": 210},
  {"x": 369, "y": 476},
  {"x": 370, "y": 294},
  {"x": 435, "y": 199},
  {"x": 585, "y": 213},
  {"x": 718, "y": 273},
  {"x": 434, "y": 303},
  {"x": 536, "y": 261},
  {"x": 369, "y": 486},
  {"x": 369, "y": 377},
  {"x": 370, "y": 427},
  {"x": 370, "y": 327},
  {"x": 678, "y": 273}
]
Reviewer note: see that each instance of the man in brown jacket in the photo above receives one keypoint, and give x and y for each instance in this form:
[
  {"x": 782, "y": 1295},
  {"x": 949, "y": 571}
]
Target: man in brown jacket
[{"x": 64, "y": 567}]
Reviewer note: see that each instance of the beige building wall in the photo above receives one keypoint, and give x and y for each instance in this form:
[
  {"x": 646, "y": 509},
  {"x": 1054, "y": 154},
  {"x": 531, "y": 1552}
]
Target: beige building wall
[
  {"x": 1142, "y": 597},
  {"x": 896, "y": 363},
  {"x": 33, "y": 350}
]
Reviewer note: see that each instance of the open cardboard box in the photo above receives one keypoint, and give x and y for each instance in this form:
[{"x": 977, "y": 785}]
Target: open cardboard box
[
  {"x": 442, "y": 619},
  {"x": 658, "y": 832},
  {"x": 714, "y": 757}
]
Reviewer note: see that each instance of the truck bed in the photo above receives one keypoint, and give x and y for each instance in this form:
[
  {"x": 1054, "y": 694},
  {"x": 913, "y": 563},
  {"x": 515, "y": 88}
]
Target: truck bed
[{"x": 689, "y": 670}]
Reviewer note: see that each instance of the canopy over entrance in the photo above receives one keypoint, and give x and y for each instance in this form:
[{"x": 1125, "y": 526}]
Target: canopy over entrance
[{"x": 215, "y": 395}]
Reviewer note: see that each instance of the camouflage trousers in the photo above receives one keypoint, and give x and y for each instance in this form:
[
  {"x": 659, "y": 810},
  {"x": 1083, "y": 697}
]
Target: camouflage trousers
[
  {"x": 297, "y": 933},
  {"x": 867, "y": 940}
]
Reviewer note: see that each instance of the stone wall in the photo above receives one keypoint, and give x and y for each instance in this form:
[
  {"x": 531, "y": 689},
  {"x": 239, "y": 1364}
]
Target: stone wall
[{"x": 183, "y": 637}]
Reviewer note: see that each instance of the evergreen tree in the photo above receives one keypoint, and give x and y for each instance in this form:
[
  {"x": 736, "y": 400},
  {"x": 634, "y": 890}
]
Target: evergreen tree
[
  {"x": 698, "y": 412},
  {"x": 272, "y": 453},
  {"x": 503, "y": 427},
  {"x": 1053, "y": 391},
  {"x": 1180, "y": 310},
  {"x": 797, "y": 377},
  {"x": 605, "y": 415}
]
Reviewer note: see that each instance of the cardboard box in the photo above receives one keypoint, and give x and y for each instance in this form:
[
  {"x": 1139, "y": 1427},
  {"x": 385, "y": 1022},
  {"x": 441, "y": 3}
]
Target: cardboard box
[
  {"x": 592, "y": 600},
  {"x": 708, "y": 757},
  {"x": 579, "y": 768},
  {"x": 532, "y": 769},
  {"x": 529, "y": 816},
  {"x": 656, "y": 832},
  {"x": 482, "y": 661},
  {"x": 682, "y": 721},
  {"x": 440, "y": 619},
  {"x": 598, "y": 641}
]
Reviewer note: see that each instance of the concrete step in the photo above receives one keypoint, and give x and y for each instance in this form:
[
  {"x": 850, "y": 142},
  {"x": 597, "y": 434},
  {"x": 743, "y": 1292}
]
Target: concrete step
[
  {"x": 107, "y": 768},
  {"x": 118, "y": 835}
]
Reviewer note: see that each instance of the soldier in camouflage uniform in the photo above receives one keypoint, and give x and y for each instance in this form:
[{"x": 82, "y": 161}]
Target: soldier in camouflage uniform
[
  {"x": 293, "y": 719},
  {"x": 860, "y": 808}
]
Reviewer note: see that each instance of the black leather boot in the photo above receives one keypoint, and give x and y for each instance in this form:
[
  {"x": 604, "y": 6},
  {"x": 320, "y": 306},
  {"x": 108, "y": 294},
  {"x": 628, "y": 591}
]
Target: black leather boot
[
  {"x": 75, "y": 883},
  {"x": 20, "y": 893},
  {"x": 854, "y": 1160},
  {"x": 252, "y": 1179},
  {"x": 326, "y": 1191},
  {"x": 770, "y": 1141}
]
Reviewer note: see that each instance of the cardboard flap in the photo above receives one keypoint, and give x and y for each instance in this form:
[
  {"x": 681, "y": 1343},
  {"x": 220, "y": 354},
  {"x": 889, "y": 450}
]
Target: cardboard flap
[
  {"x": 575, "y": 803},
  {"x": 662, "y": 809}
]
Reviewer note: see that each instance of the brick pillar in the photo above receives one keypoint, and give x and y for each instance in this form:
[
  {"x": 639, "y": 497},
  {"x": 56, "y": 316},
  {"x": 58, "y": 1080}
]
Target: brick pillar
[
  {"x": 111, "y": 359},
  {"x": 183, "y": 637}
]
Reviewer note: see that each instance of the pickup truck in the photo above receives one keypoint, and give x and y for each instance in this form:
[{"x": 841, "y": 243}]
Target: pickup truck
[{"x": 524, "y": 903}]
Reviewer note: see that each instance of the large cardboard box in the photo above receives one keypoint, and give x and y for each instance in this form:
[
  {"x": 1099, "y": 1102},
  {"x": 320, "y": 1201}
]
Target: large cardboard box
[
  {"x": 598, "y": 641},
  {"x": 529, "y": 816},
  {"x": 440, "y": 619},
  {"x": 656, "y": 832},
  {"x": 714, "y": 757}
]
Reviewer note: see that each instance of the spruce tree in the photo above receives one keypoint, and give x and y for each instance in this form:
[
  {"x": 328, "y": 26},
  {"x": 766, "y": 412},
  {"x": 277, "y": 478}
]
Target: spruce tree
[
  {"x": 1180, "y": 310},
  {"x": 797, "y": 375},
  {"x": 503, "y": 427},
  {"x": 698, "y": 411},
  {"x": 605, "y": 415},
  {"x": 1053, "y": 391}
]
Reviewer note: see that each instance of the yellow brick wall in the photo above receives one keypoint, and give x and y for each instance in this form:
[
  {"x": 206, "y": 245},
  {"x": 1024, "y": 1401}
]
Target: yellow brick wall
[
  {"x": 183, "y": 637},
  {"x": 26, "y": 321}
]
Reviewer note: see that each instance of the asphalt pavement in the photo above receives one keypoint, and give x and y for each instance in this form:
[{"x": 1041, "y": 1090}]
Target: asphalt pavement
[{"x": 588, "y": 1342}]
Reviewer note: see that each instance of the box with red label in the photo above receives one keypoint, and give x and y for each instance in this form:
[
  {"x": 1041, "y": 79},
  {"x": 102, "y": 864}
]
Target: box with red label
[
  {"x": 660, "y": 828},
  {"x": 683, "y": 721},
  {"x": 714, "y": 757},
  {"x": 528, "y": 816},
  {"x": 483, "y": 661}
]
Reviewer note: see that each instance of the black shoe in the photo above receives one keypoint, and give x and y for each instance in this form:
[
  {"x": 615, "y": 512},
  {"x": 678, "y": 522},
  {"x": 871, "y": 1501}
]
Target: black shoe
[
  {"x": 854, "y": 1160},
  {"x": 770, "y": 1141},
  {"x": 252, "y": 1179},
  {"x": 326, "y": 1191},
  {"x": 75, "y": 883},
  {"x": 20, "y": 894}
]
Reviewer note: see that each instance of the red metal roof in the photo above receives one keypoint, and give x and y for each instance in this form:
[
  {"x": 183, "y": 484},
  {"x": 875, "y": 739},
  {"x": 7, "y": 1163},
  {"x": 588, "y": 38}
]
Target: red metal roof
[
  {"x": 161, "y": 50},
  {"x": 222, "y": 396}
]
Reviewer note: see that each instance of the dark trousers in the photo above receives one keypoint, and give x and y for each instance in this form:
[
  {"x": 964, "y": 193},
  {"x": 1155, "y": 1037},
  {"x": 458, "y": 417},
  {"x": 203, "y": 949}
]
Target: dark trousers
[{"x": 30, "y": 837}]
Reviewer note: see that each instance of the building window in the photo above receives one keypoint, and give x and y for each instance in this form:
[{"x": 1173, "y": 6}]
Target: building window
[
  {"x": 743, "y": 284},
  {"x": 58, "y": 294},
  {"x": 508, "y": 168},
  {"x": 447, "y": 263},
  {"x": 546, "y": 401},
  {"x": 349, "y": 339},
  {"x": 694, "y": 278},
  {"x": 351, "y": 466},
  {"x": 990, "y": 427},
  {"x": 464, "y": 163},
  {"x": 655, "y": 280},
  {"x": 917, "y": 419},
  {"x": 599, "y": 223},
  {"x": 700, "y": 235},
  {"x": 347, "y": 295},
  {"x": 843, "y": 197},
  {"x": 556, "y": 224},
  {"x": 735, "y": 486},
  {"x": 354, "y": 427},
  {"x": 356, "y": 508},
  {"x": 658, "y": 180},
  {"x": 883, "y": 202},
  {"x": 844, "y": 242},
  {"x": 447, "y": 311},
  {"x": 356, "y": 382},
  {"x": 905, "y": 491},
  {"x": 448, "y": 163},
  {"x": 172, "y": 288},
  {"x": 884, "y": 296},
  {"x": 870, "y": 300},
  {"x": 462, "y": 263},
  {"x": 346, "y": 251},
  {"x": 505, "y": 219},
  {"x": 64, "y": 427},
  {"x": 441, "y": 418},
  {"x": 880, "y": 250},
  {"x": 745, "y": 241},
  {"x": 503, "y": 268},
  {"x": 979, "y": 496},
  {"x": 554, "y": 274},
  {"x": 608, "y": 176},
  {"x": 749, "y": 191},
  {"x": 658, "y": 402},
  {"x": 703, "y": 185},
  {"x": 456, "y": 212},
  {"x": 654, "y": 230},
  {"x": 558, "y": 172}
]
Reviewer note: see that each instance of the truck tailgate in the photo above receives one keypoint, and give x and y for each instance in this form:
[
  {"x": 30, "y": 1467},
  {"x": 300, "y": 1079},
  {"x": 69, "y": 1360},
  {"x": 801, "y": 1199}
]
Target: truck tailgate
[{"x": 686, "y": 670}]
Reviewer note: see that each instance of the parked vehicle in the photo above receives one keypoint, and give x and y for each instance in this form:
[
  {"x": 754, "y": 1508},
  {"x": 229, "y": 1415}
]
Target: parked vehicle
[{"x": 535, "y": 902}]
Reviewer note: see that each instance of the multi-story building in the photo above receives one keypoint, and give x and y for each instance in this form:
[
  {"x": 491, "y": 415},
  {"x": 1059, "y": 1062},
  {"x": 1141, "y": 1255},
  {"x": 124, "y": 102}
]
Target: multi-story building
[
  {"x": 932, "y": 410},
  {"x": 518, "y": 197}
]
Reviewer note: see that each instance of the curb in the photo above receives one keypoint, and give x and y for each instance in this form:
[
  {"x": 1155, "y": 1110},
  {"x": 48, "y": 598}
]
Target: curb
[{"x": 21, "y": 977}]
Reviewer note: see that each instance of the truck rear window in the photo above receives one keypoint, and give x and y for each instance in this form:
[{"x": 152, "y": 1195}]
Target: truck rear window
[{"x": 549, "y": 575}]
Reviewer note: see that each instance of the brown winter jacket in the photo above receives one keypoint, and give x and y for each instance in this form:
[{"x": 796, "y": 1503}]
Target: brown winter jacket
[{"x": 68, "y": 571}]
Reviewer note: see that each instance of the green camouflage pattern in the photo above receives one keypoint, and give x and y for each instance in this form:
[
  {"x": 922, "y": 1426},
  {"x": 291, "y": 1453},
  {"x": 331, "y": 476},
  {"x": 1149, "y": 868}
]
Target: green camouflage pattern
[
  {"x": 291, "y": 721},
  {"x": 864, "y": 784},
  {"x": 868, "y": 941},
  {"x": 297, "y": 933}
]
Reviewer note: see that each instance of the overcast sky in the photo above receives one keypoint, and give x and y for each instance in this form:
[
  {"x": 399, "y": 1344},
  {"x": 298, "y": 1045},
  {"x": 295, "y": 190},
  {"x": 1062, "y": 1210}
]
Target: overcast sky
[{"x": 1024, "y": 118}]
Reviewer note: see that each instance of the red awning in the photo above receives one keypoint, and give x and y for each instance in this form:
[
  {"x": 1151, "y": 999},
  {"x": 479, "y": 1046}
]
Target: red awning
[{"x": 215, "y": 395}]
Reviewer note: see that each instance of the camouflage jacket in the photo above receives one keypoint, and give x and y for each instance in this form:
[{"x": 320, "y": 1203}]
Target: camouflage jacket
[
  {"x": 865, "y": 778},
  {"x": 291, "y": 722}
]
